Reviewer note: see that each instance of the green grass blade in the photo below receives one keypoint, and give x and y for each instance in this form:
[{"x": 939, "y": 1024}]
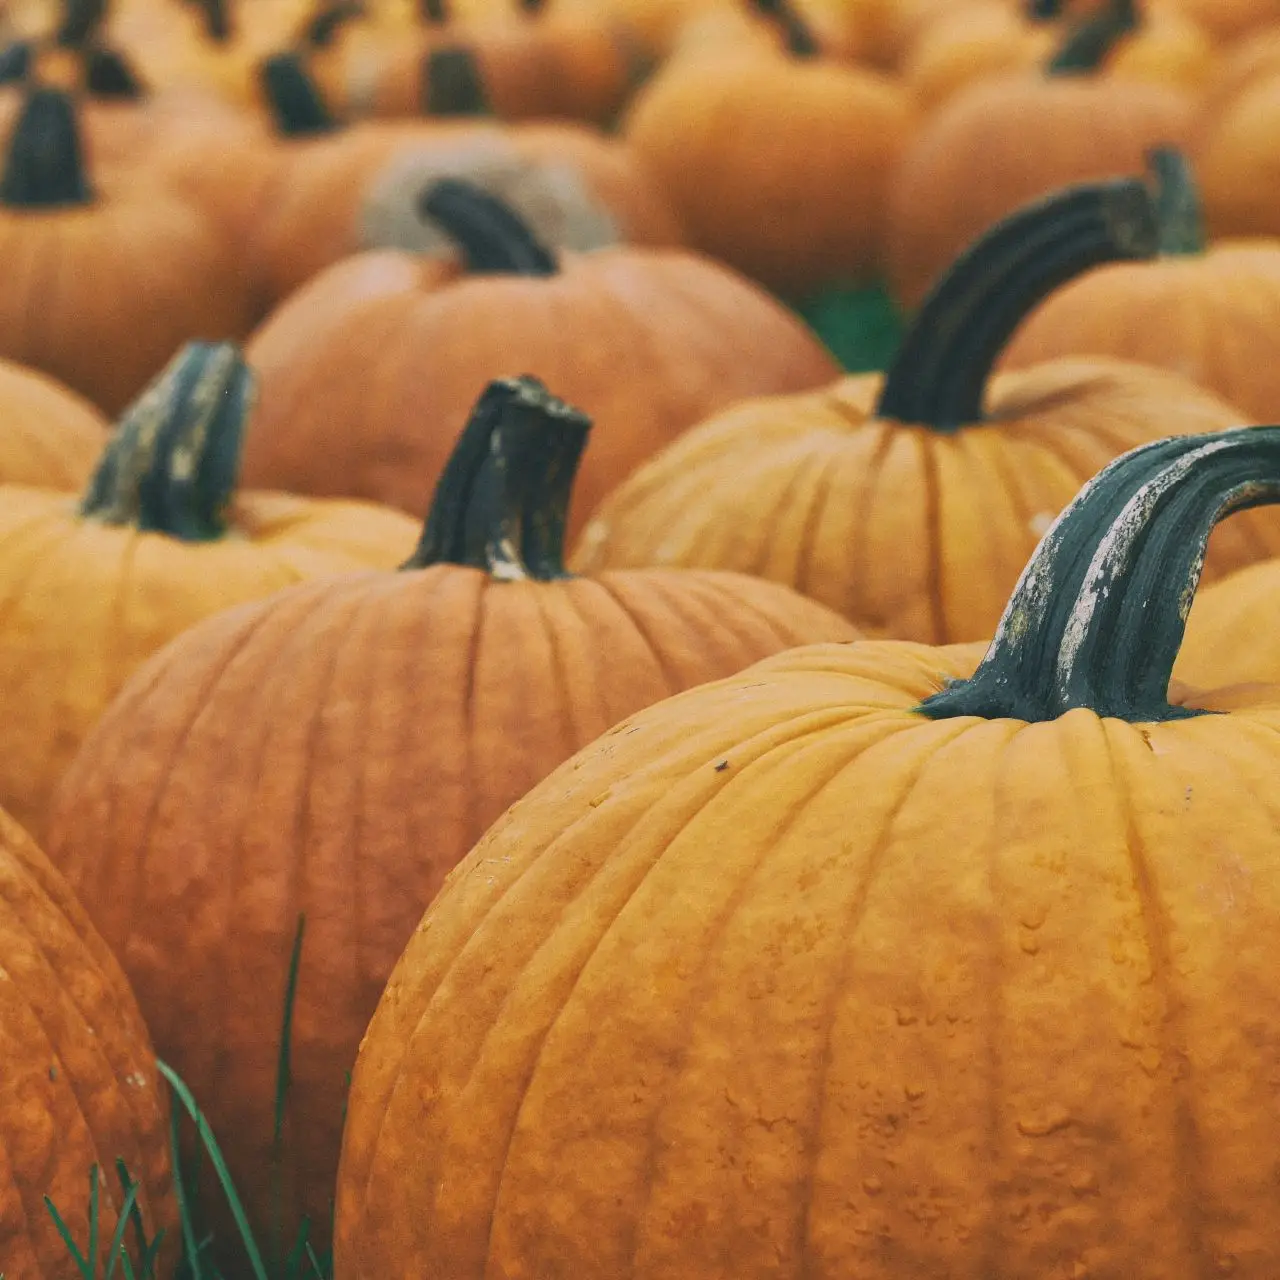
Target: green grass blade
[
  {"x": 283, "y": 1063},
  {"x": 72, "y": 1248},
  {"x": 210, "y": 1144},
  {"x": 117, "y": 1249},
  {"x": 191, "y": 1253}
]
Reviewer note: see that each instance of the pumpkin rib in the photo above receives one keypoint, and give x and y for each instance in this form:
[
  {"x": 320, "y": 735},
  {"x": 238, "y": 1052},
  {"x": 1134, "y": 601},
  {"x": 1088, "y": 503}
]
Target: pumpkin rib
[
  {"x": 610, "y": 585},
  {"x": 863, "y": 501},
  {"x": 1174, "y": 1044},
  {"x": 694, "y": 984},
  {"x": 934, "y": 538},
  {"x": 813, "y": 478}
]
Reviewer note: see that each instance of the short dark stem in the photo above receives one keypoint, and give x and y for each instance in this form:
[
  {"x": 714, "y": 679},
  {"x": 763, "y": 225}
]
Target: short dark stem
[
  {"x": 16, "y": 61},
  {"x": 492, "y": 237},
  {"x": 1043, "y": 10},
  {"x": 44, "y": 168},
  {"x": 326, "y": 23},
  {"x": 80, "y": 20},
  {"x": 1178, "y": 207},
  {"x": 502, "y": 499},
  {"x": 1097, "y": 618},
  {"x": 435, "y": 12},
  {"x": 938, "y": 378},
  {"x": 1089, "y": 43},
  {"x": 532, "y": 6},
  {"x": 171, "y": 466},
  {"x": 796, "y": 32},
  {"x": 107, "y": 74},
  {"x": 293, "y": 97},
  {"x": 453, "y": 84},
  {"x": 216, "y": 15}
]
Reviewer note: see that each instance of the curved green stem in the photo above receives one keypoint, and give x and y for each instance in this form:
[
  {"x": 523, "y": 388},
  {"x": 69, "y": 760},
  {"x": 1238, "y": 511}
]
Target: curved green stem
[
  {"x": 44, "y": 167},
  {"x": 503, "y": 497},
  {"x": 453, "y": 83},
  {"x": 493, "y": 238},
  {"x": 171, "y": 465},
  {"x": 293, "y": 97},
  {"x": 1178, "y": 208},
  {"x": 1097, "y": 618},
  {"x": 1089, "y": 43},
  {"x": 938, "y": 377}
]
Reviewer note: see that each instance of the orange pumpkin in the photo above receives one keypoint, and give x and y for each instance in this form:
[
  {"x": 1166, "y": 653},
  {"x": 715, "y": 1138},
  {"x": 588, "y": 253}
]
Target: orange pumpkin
[
  {"x": 1232, "y": 630},
  {"x": 1204, "y": 312},
  {"x": 910, "y": 502},
  {"x": 495, "y": 666},
  {"x": 48, "y": 435},
  {"x": 369, "y": 372},
  {"x": 745, "y": 148},
  {"x": 159, "y": 540},
  {"x": 1008, "y": 140},
  {"x": 104, "y": 277},
  {"x": 881, "y": 960},
  {"x": 80, "y": 1089}
]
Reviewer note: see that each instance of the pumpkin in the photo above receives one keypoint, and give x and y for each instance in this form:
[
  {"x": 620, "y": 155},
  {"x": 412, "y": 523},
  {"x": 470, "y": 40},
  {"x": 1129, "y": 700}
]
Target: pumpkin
[
  {"x": 394, "y": 775},
  {"x": 103, "y": 278},
  {"x": 80, "y": 1090},
  {"x": 369, "y": 372},
  {"x": 909, "y": 503},
  {"x": 1228, "y": 20},
  {"x": 1232, "y": 629},
  {"x": 49, "y": 436},
  {"x": 743, "y": 145},
  {"x": 1007, "y": 140},
  {"x": 877, "y": 960},
  {"x": 1204, "y": 312},
  {"x": 159, "y": 540}
]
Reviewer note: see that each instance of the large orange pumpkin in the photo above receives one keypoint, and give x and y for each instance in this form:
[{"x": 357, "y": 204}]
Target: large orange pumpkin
[
  {"x": 159, "y": 540},
  {"x": 910, "y": 502},
  {"x": 1233, "y": 632},
  {"x": 103, "y": 277},
  {"x": 369, "y": 372},
  {"x": 881, "y": 961},
  {"x": 1206, "y": 312},
  {"x": 401, "y": 713},
  {"x": 79, "y": 1089}
]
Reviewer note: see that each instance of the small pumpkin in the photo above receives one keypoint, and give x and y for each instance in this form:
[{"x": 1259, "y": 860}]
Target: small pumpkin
[
  {"x": 402, "y": 713},
  {"x": 104, "y": 277},
  {"x": 876, "y": 960},
  {"x": 49, "y": 436},
  {"x": 369, "y": 372},
  {"x": 159, "y": 539},
  {"x": 1007, "y": 140},
  {"x": 79, "y": 1091},
  {"x": 744, "y": 147},
  {"x": 1203, "y": 311},
  {"x": 1232, "y": 629},
  {"x": 910, "y": 502}
]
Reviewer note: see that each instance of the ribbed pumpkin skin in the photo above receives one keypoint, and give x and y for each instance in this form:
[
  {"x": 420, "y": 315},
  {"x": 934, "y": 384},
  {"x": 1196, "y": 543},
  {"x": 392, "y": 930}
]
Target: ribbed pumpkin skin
[
  {"x": 79, "y": 1084},
  {"x": 1209, "y": 317},
  {"x": 1005, "y": 141},
  {"x": 368, "y": 373},
  {"x": 910, "y": 533},
  {"x": 335, "y": 751},
  {"x": 781, "y": 980},
  {"x": 49, "y": 436},
  {"x": 85, "y": 603}
]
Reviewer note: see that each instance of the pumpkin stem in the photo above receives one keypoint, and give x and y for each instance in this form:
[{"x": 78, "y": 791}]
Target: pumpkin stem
[
  {"x": 453, "y": 84},
  {"x": 1178, "y": 208},
  {"x": 293, "y": 96},
  {"x": 16, "y": 61},
  {"x": 1089, "y": 42},
  {"x": 171, "y": 465},
  {"x": 1042, "y": 10},
  {"x": 216, "y": 16},
  {"x": 44, "y": 168},
  {"x": 324, "y": 25},
  {"x": 938, "y": 377},
  {"x": 1097, "y": 618},
  {"x": 436, "y": 12},
  {"x": 80, "y": 20},
  {"x": 796, "y": 32},
  {"x": 493, "y": 238},
  {"x": 107, "y": 74},
  {"x": 502, "y": 500}
]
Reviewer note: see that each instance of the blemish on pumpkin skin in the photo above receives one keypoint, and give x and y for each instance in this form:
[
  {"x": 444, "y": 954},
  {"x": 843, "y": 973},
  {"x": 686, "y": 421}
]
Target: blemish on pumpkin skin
[
  {"x": 721, "y": 765},
  {"x": 1050, "y": 1120}
]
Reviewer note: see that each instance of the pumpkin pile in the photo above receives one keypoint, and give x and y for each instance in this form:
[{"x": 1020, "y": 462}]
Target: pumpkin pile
[{"x": 602, "y": 654}]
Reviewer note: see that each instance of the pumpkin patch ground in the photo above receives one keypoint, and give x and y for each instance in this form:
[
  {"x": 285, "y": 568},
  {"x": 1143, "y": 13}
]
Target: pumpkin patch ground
[{"x": 639, "y": 639}]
